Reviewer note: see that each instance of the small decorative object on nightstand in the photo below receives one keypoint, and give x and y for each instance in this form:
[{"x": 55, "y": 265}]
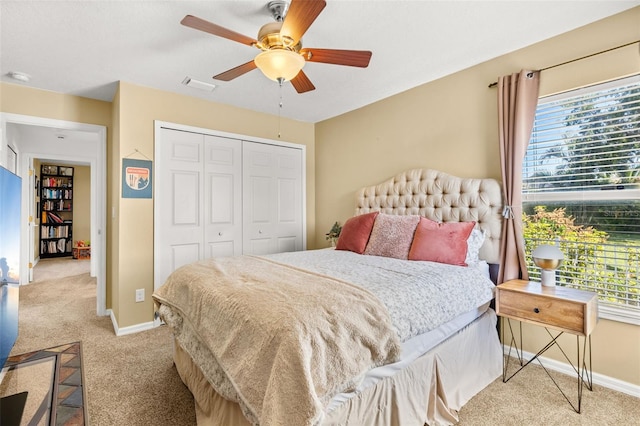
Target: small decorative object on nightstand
[
  {"x": 334, "y": 233},
  {"x": 563, "y": 309}
]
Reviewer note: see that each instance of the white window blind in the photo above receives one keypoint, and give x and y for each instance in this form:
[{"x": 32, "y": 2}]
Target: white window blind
[{"x": 581, "y": 188}]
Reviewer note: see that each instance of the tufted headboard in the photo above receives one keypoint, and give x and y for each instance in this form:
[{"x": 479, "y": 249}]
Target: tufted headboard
[{"x": 443, "y": 198}]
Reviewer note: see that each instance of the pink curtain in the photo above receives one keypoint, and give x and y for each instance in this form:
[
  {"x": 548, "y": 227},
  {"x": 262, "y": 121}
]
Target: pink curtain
[{"x": 517, "y": 101}]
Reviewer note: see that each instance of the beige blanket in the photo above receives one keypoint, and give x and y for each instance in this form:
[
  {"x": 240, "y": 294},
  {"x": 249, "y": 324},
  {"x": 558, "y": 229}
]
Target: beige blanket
[{"x": 278, "y": 340}]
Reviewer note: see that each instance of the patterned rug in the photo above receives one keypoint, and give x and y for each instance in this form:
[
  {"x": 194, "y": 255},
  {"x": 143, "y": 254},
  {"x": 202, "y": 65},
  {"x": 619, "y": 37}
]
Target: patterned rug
[{"x": 60, "y": 367}]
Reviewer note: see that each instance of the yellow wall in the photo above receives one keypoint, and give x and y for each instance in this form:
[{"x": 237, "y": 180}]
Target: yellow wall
[
  {"x": 138, "y": 108},
  {"x": 451, "y": 124},
  {"x": 19, "y": 99},
  {"x": 81, "y": 203}
]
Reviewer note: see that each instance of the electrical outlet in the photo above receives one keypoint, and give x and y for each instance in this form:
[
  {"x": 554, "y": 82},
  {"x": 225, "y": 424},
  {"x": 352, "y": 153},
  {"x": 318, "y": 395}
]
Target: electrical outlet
[{"x": 140, "y": 295}]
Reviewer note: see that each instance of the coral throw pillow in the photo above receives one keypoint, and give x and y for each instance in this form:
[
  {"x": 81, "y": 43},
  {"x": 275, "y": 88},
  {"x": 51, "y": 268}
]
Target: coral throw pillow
[
  {"x": 355, "y": 233},
  {"x": 441, "y": 242},
  {"x": 392, "y": 235}
]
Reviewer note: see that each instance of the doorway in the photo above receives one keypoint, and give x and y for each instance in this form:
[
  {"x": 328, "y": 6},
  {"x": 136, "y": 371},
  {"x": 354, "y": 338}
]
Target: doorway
[{"x": 67, "y": 142}]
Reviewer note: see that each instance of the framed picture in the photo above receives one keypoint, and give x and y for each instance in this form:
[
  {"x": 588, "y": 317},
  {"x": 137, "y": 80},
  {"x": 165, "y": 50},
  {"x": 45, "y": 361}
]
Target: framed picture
[
  {"x": 136, "y": 178},
  {"x": 66, "y": 171},
  {"x": 50, "y": 170}
]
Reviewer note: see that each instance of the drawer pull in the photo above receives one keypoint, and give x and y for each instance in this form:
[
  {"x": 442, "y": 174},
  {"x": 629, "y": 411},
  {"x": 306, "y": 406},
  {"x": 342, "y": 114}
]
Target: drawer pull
[{"x": 536, "y": 310}]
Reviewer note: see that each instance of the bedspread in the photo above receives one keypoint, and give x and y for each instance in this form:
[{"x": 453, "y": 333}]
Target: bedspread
[
  {"x": 419, "y": 296},
  {"x": 279, "y": 340}
]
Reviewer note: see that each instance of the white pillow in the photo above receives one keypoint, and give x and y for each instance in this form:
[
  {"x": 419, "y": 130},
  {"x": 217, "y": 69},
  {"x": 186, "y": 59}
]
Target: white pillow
[{"x": 474, "y": 242}]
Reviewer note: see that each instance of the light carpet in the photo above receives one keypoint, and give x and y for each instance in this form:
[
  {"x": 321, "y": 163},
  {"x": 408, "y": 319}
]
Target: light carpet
[{"x": 131, "y": 380}]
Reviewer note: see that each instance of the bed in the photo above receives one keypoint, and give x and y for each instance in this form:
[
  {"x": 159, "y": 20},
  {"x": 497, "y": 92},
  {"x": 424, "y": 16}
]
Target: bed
[{"x": 356, "y": 335}]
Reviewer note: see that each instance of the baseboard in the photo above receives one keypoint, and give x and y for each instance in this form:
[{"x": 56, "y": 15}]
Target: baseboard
[
  {"x": 598, "y": 379},
  {"x": 131, "y": 329}
]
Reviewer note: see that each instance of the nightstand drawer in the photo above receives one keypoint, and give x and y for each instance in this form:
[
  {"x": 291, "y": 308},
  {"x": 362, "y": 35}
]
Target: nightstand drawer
[
  {"x": 563, "y": 314},
  {"x": 562, "y": 308}
]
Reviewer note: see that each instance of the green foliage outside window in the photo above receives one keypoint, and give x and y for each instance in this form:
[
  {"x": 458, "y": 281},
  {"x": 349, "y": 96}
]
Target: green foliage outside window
[{"x": 590, "y": 261}]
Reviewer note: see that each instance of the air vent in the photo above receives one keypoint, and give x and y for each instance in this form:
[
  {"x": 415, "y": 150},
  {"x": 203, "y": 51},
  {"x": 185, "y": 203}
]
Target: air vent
[{"x": 196, "y": 84}]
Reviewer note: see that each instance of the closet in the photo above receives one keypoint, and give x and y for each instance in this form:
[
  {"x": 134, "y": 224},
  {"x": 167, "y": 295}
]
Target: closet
[{"x": 221, "y": 195}]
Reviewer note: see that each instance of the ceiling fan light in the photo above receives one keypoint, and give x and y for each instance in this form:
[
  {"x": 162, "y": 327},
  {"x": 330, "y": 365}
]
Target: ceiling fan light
[{"x": 279, "y": 64}]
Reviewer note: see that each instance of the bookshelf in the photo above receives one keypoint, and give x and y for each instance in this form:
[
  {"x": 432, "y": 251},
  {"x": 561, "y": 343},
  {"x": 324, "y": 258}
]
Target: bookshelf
[{"x": 56, "y": 210}]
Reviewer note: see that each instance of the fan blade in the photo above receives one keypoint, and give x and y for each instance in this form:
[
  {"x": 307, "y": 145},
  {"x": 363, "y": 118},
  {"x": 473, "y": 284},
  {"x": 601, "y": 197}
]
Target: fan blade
[
  {"x": 352, "y": 58},
  {"x": 208, "y": 27},
  {"x": 302, "y": 83},
  {"x": 236, "y": 72},
  {"x": 300, "y": 16}
]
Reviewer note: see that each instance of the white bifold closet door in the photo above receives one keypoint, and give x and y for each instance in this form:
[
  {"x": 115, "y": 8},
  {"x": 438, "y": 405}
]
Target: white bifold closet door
[
  {"x": 217, "y": 196},
  {"x": 272, "y": 198},
  {"x": 200, "y": 201}
]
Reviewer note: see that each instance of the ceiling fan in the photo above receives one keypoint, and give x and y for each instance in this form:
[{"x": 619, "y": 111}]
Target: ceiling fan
[{"x": 283, "y": 56}]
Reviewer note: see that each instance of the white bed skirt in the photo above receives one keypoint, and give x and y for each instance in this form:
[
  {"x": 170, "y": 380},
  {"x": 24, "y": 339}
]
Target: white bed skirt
[{"x": 429, "y": 391}]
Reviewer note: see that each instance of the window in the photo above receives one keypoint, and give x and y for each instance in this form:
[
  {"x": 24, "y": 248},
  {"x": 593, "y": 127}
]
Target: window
[{"x": 581, "y": 190}]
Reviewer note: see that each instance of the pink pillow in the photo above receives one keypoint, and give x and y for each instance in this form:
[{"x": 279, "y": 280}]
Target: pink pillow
[
  {"x": 392, "y": 235},
  {"x": 355, "y": 233},
  {"x": 441, "y": 242}
]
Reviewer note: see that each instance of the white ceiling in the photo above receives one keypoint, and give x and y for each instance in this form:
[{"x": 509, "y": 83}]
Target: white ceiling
[{"x": 85, "y": 47}]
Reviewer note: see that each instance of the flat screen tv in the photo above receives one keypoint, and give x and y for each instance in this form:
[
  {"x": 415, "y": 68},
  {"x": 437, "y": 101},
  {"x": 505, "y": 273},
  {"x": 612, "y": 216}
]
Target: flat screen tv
[{"x": 10, "y": 204}]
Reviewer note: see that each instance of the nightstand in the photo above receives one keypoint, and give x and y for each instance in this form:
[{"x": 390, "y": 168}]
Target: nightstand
[{"x": 563, "y": 309}]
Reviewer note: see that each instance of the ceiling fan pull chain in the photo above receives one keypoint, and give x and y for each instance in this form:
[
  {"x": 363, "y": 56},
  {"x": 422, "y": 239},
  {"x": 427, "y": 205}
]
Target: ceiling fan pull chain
[{"x": 280, "y": 81}]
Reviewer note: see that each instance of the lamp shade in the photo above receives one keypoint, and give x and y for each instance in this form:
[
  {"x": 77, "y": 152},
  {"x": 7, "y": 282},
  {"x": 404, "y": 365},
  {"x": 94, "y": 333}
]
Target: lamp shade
[
  {"x": 279, "y": 64},
  {"x": 547, "y": 258}
]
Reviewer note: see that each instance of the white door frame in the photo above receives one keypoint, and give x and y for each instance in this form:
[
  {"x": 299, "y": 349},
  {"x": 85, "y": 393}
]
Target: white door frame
[{"x": 98, "y": 163}]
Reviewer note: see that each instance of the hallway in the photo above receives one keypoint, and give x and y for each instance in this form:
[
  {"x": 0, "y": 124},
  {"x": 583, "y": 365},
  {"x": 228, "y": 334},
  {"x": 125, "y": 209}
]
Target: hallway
[{"x": 54, "y": 268}]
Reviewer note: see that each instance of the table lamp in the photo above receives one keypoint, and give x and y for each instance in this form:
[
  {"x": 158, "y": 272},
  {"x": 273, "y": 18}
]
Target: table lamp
[{"x": 547, "y": 258}]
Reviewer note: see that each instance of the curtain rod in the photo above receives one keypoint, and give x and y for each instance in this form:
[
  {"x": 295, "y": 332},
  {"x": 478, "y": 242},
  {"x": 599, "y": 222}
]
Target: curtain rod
[{"x": 495, "y": 83}]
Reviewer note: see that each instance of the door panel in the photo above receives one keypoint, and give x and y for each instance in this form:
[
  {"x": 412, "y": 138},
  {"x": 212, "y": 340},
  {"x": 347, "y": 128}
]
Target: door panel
[
  {"x": 185, "y": 150},
  {"x": 223, "y": 196},
  {"x": 221, "y": 199},
  {"x": 177, "y": 202},
  {"x": 287, "y": 243},
  {"x": 258, "y": 194},
  {"x": 260, "y": 246},
  {"x": 261, "y": 195},
  {"x": 183, "y": 254},
  {"x": 272, "y": 187},
  {"x": 286, "y": 201},
  {"x": 221, "y": 249},
  {"x": 185, "y": 194}
]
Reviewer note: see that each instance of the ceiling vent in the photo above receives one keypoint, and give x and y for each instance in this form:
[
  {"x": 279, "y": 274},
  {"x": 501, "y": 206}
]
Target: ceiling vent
[{"x": 196, "y": 84}]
